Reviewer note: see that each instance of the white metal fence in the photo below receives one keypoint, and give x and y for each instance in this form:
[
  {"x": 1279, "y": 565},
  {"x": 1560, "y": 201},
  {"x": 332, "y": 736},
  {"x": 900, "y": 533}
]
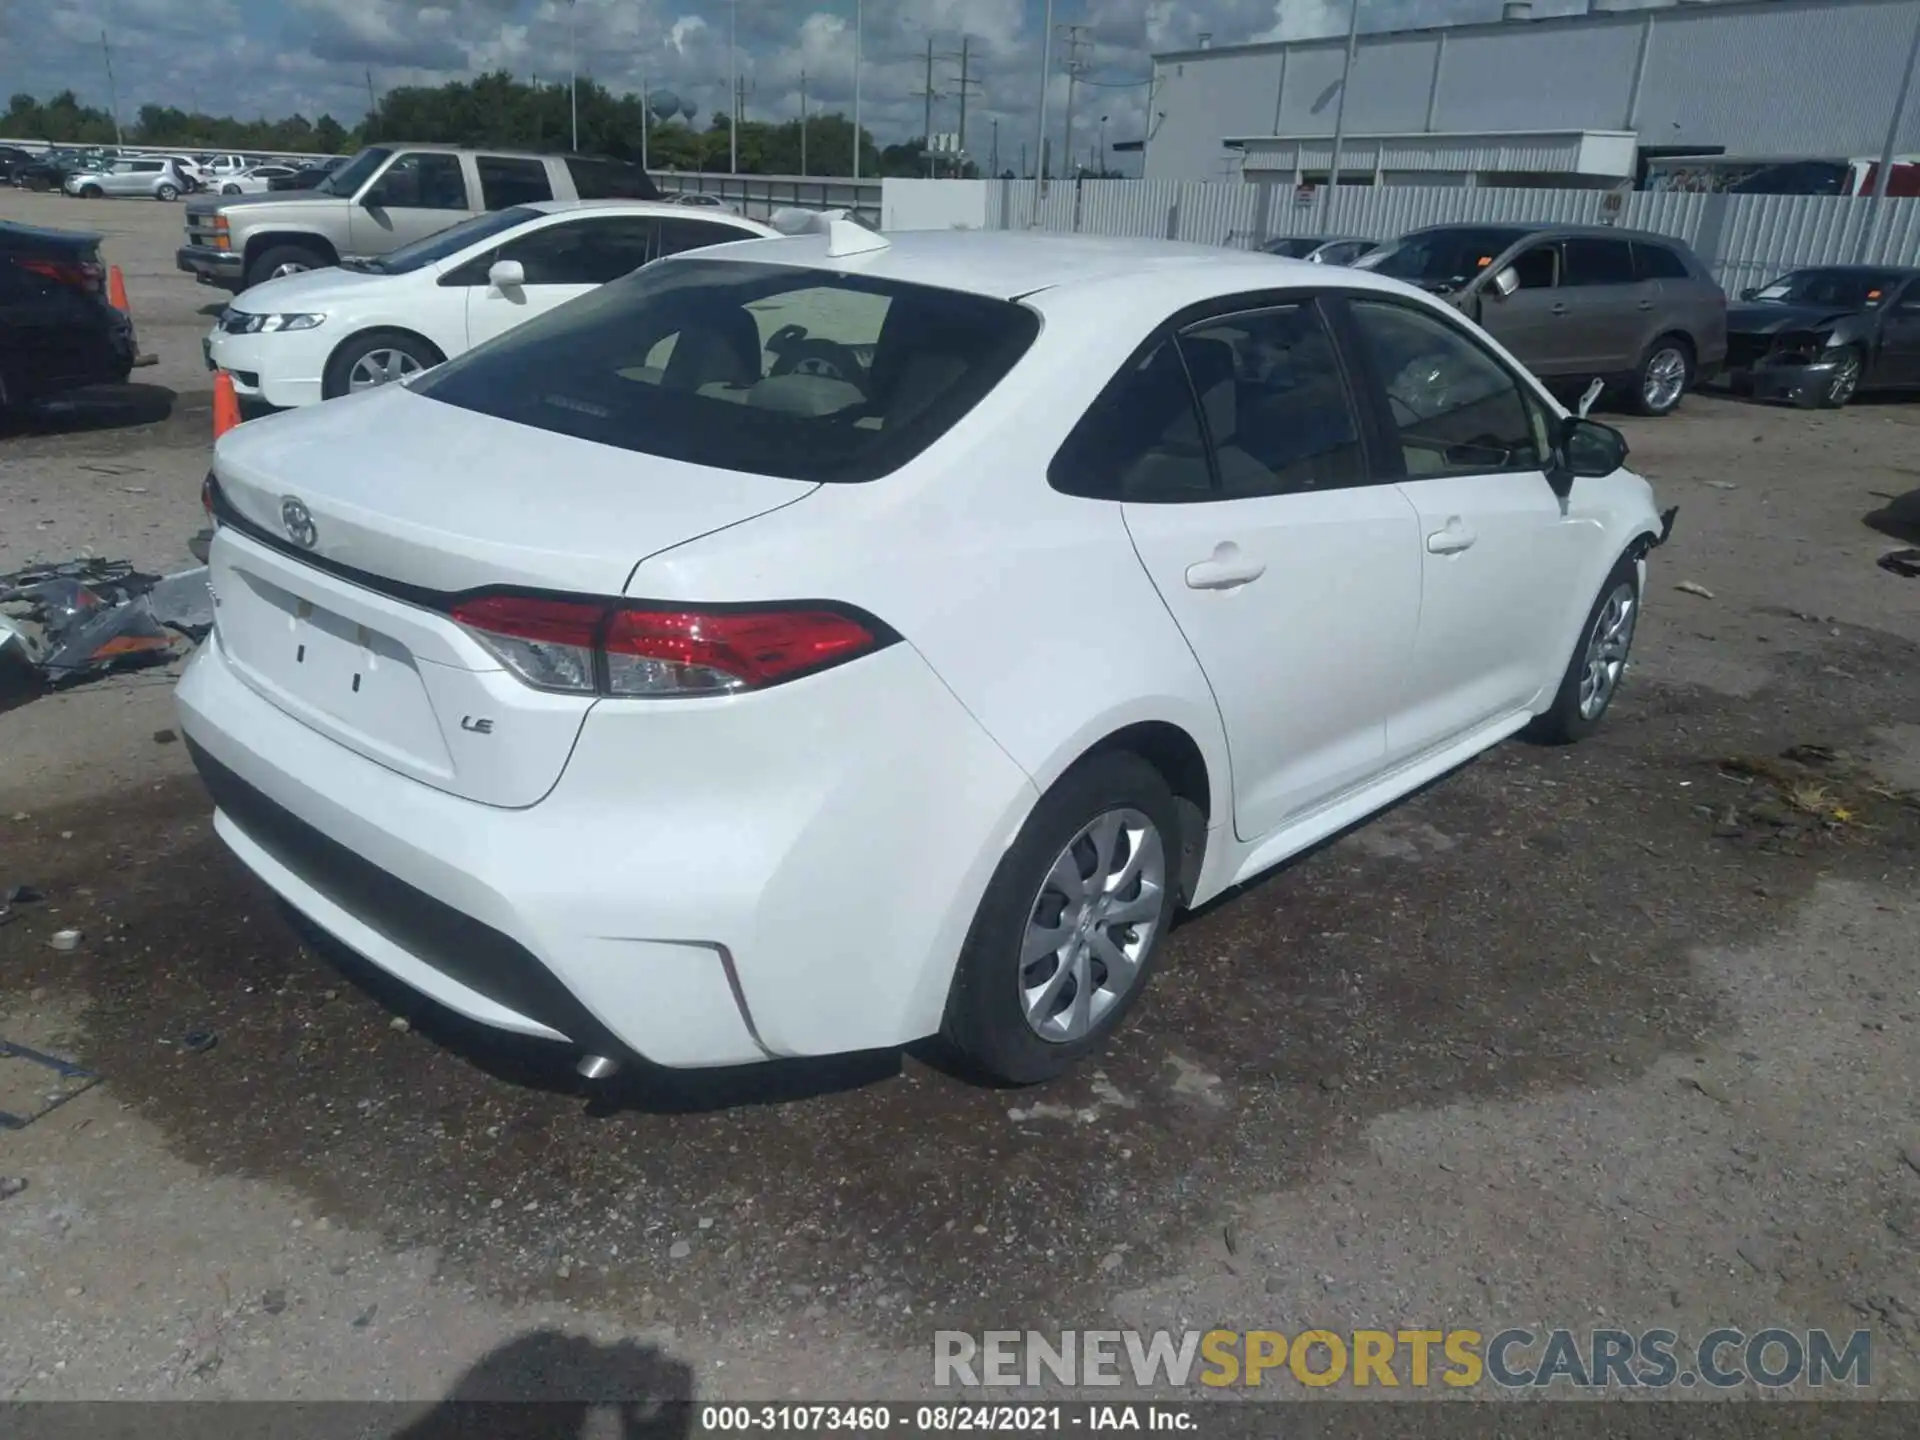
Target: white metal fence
[{"x": 1744, "y": 239}]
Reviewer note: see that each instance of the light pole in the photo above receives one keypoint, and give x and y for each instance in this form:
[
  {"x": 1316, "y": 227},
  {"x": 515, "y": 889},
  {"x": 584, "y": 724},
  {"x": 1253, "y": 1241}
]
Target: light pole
[
  {"x": 733, "y": 93},
  {"x": 1103, "y": 147},
  {"x": 857, "y": 17},
  {"x": 1340, "y": 115},
  {"x": 573, "y": 72},
  {"x": 1040, "y": 124}
]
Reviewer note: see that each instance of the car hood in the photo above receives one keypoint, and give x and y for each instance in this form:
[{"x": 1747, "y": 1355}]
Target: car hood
[
  {"x": 1775, "y": 319},
  {"x": 432, "y": 495},
  {"x": 215, "y": 203},
  {"x": 312, "y": 290}
]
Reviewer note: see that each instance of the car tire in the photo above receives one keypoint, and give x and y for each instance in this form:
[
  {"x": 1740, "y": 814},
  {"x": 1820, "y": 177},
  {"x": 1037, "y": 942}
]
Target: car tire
[
  {"x": 91, "y": 192},
  {"x": 229, "y": 189},
  {"x": 281, "y": 260},
  {"x": 1845, "y": 383},
  {"x": 166, "y": 192},
  {"x": 1001, "y": 979},
  {"x": 408, "y": 349},
  {"x": 1599, "y": 659},
  {"x": 1663, "y": 377}
]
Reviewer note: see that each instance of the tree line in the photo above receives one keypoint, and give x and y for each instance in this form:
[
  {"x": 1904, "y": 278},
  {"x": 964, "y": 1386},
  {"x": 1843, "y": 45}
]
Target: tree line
[{"x": 497, "y": 109}]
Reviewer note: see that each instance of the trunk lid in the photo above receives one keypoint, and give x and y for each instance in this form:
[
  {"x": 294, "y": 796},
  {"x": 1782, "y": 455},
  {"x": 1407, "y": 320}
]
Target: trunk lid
[{"x": 404, "y": 500}]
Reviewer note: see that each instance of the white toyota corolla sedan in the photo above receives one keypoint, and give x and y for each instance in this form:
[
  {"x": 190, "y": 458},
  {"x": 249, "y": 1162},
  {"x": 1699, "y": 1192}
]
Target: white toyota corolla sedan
[
  {"x": 322, "y": 333},
  {"x": 825, "y": 642}
]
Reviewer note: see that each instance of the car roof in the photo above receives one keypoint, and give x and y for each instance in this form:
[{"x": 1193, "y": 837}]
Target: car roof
[
  {"x": 1535, "y": 227},
  {"x": 1007, "y": 264},
  {"x": 634, "y": 207},
  {"x": 15, "y": 236},
  {"x": 1903, "y": 270}
]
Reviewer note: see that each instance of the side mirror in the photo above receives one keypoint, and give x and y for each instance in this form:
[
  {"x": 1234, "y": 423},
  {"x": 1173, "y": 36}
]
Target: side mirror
[
  {"x": 1506, "y": 282},
  {"x": 1748, "y": 293},
  {"x": 1587, "y": 449},
  {"x": 507, "y": 275}
]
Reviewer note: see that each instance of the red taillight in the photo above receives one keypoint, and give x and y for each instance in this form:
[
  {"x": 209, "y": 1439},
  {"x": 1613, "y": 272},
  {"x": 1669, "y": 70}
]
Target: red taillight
[
  {"x": 80, "y": 274},
  {"x": 595, "y": 647}
]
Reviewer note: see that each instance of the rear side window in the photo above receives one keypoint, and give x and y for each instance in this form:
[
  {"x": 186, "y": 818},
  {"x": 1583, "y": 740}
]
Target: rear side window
[
  {"x": 768, "y": 369},
  {"x": 610, "y": 180},
  {"x": 677, "y": 234},
  {"x": 1140, "y": 441},
  {"x": 1597, "y": 262},
  {"x": 1657, "y": 262},
  {"x": 505, "y": 181}
]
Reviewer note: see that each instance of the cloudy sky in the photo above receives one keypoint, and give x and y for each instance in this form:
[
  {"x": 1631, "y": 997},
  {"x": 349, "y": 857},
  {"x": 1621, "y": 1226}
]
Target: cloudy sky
[{"x": 273, "y": 57}]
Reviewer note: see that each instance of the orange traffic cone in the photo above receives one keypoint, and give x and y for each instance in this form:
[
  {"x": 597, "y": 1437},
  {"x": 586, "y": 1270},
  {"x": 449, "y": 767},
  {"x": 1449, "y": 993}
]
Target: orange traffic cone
[
  {"x": 226, "y": 404},
  {"x": 117, "y": 290}
]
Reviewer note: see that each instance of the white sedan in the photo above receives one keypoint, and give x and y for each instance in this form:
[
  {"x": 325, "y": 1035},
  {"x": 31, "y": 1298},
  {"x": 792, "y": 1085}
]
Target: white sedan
[
  {"x": 821, "y": 643},
  {"x": 308, "y": 337},
  {"x": 249, "y": 182}
]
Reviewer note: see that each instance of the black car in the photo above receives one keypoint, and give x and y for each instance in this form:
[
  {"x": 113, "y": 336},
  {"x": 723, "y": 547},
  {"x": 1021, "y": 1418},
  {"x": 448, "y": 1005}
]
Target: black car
[
  {"x": 57, "y": 330},
  {"x": 1818, "y": 337},
  {"x": 13, "y": 160},
  {"x": 45, "y": 172},
  {"x": 307, "y": 176}
]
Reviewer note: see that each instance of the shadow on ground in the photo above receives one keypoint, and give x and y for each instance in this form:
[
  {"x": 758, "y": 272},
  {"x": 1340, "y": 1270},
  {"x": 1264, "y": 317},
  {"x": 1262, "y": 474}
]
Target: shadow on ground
[
  {"x": 1526, "y": 923},
  {"x": 97, "y": 407}
]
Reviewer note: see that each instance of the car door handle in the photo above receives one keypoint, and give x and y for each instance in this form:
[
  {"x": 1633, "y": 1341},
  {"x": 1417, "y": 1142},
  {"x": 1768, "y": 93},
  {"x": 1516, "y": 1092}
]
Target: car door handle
[
  {"x": 1559, "y": 308},
  {"x": 1225, "y": 571},
  {"x": 1644, "y": 305},
  {"x": 1452, "y": 540}
]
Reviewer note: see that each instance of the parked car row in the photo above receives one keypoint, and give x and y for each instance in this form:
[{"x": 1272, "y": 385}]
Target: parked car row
[{"x": 99, "y": 173}]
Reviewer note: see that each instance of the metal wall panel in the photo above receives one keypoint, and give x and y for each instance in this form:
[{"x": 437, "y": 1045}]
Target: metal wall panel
[
  {"x": 1744, "y": 239},
  {"x": 1538, "y": 77}
]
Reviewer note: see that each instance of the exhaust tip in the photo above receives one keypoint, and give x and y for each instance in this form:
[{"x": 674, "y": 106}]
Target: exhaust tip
[{"x": 596, "y": 1067}]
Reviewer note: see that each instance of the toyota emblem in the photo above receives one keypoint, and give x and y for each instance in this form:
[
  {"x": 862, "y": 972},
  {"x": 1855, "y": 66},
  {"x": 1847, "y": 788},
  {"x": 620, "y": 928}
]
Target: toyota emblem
[{"x": 298, "y": 522}]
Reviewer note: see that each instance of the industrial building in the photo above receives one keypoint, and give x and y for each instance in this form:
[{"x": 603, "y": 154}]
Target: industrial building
[{"x": 1686, "y": 95}]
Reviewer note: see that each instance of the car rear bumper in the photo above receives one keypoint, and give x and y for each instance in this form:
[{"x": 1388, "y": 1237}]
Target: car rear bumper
[
  {"x": 213, "y": 267},
  {"x": 695, "y": 890}
]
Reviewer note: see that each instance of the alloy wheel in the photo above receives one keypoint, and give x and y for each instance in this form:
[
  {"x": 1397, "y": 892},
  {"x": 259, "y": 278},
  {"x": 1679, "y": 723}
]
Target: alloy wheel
[
  {"x": 1665, "y": 378},
  {"x": 1092, "y": 925},
  {"x": 381, "y": 367},
  {"x": 289, "y": 267},
  {"x": 1607, "y": 650}
]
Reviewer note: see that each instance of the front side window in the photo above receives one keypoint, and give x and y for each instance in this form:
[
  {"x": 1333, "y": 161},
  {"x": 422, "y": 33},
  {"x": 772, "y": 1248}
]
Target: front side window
[
  {"x": 768, "y": 369},
  {"x": 508, "y": 181},
  {"x": 582, "y": 252},
  {"x": 1538, "y": 267},
  {"x": 443, "y": 244},
  {"x": 1275, "y": 402},
  {"x": 422, "y": 181},
  {"x": 1455, "y": 409},
  {"x": 348, "y": 178},
  {"x": 1593, "y": 261},
  {"x": 1444, "y": 259}
]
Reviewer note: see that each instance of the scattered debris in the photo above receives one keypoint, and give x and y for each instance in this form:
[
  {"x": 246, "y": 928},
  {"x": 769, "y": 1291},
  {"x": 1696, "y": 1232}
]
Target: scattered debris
[
  {"x": 64, "y": 940},
  {"x": 73, "y": 1080},
  {"x": 22, "y": 895},
  {"x": 1230, "y": 1234},
  {"x": 1689, "y": 587},
  {"x": 1723, "y": 484},
  {"x": 165, "y": 737},
  {"x": 87, "y": 616},
  {"x": 365, "y": 1317},
  {"x": 1902, "y": 562},
  {"x": 198, "y": 1042},
  {"x": 680, "y": 1250},
  {"x": 11, "y": 1185},
  {"x": 274, "y": 1302},
  {"x": 399, "y": 1022}
]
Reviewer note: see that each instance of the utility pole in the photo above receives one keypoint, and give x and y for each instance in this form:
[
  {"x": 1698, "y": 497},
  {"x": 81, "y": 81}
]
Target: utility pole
[
  {"x": 803, "y": 122},
  {"x": 1076, "y": 37},
  {"x": 733, "y": 93},
  {"x": 993, "y": 164},
  {"x": 573, "y": 73},
  {"x": 928, "y": 94},
  {"x": 646, "y": 121},
  {"x": 966, "y": 86},
  {"x": 1040, "y": 124},
  {"x": 372, "y": 104},
  {"x": 113, "y": 99},
  {"x": 1340, "y": 115},
  {"x": 857, "y": 17}
]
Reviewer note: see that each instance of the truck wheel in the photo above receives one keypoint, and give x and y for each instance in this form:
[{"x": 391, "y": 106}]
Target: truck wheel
[{"x": 278, "y": 260}]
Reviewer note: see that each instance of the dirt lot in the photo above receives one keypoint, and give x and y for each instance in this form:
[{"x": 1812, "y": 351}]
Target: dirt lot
[{"x": 1620, "y": 1034}]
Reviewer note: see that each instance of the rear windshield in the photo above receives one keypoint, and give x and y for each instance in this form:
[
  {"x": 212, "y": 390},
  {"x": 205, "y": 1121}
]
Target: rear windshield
[{"x": 770, "y": 369}]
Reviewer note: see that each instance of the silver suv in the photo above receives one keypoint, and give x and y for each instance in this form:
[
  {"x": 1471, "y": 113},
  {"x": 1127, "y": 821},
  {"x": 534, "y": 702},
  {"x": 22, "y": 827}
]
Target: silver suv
[
  {"x": 385, "y": 197},
  {"x": 1578, "y": 302},
  {"x": 157, "y": 178}
]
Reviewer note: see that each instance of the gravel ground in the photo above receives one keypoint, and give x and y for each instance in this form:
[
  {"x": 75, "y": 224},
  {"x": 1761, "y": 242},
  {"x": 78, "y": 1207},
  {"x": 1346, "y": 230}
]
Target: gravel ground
[{"x": 1621, "y": 1034}]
